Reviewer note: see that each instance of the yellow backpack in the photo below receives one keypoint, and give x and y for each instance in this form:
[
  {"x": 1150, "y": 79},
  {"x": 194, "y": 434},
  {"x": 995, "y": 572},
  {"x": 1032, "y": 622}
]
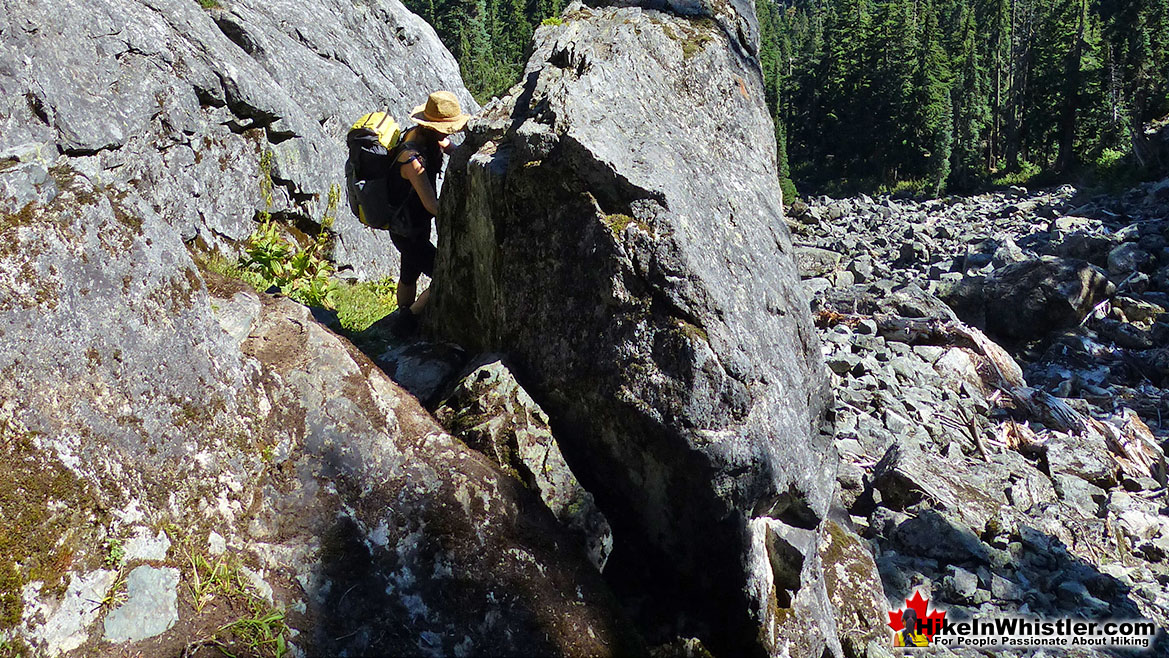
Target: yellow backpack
[{"x": 376, "y": 133}]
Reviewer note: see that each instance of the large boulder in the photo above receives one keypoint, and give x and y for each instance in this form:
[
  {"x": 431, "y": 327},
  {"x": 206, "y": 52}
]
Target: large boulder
[
  {"x": 648, "y": 299},
  {"x": 1032, "y": 298},
  {"x": 179, "y": 453},
  {"x": 208, "y": 116}
]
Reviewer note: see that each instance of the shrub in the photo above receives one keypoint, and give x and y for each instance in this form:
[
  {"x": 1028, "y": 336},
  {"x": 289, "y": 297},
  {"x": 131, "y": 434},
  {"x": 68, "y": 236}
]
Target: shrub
[{"x": 1021, "y": 176}]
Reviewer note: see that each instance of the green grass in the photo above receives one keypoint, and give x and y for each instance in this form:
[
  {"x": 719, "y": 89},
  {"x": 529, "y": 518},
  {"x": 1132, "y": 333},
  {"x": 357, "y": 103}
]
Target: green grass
[
  {"x": 211, "y": 577},
  {"x": 915, "y": 187},
  {"x": 232, "y": 269},
  {"x": 209, "y": 4},
  {"x": 261, "y": 634},
  {"x": 554, "y": 20},
  {"x": 359, "y": 305}
]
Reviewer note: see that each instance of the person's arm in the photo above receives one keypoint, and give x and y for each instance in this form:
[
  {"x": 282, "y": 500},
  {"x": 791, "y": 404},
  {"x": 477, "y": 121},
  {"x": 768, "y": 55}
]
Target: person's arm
[{"x": 414, "y": 172}]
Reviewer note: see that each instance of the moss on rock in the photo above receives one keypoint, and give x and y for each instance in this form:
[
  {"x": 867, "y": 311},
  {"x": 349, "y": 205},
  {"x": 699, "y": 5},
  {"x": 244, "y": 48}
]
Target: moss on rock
[{"x": 47, "y": 511}]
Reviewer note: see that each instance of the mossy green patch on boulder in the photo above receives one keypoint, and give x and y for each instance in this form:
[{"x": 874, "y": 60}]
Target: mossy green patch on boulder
[
  {"x": 49, "y": 519},
  {"x": 853, "y": 584}
]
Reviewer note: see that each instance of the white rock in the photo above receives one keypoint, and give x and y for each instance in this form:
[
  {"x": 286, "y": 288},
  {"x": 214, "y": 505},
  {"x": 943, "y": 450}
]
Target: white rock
[
  {"x": 151, "y": 606},
  {"x": 216, "y": 544},
  {"x": 66, "y": 628},
  {"x": 258, "y": 583}
]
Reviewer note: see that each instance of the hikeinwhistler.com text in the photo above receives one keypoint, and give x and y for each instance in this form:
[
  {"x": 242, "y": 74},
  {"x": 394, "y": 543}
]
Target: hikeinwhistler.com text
[{"x": 1028, "y": 632}]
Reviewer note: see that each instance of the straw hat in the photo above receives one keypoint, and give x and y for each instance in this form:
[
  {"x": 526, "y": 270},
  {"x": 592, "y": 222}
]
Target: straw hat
[{"x": 441, "y": 112}]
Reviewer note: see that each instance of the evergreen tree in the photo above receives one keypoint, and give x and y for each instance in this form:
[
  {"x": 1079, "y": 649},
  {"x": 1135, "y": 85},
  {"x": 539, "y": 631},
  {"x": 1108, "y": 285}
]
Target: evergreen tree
[
  {"x": 870, "y": 93},
  {"x": 935, "y": 120},
  {"x": 889, "y": 63},
  {"x": 971, "y": 96}
]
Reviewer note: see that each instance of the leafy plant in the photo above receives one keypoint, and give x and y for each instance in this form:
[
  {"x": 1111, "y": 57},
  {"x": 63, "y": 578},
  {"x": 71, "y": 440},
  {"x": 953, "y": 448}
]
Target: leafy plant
[
  {"x": 115, "y": 553},
  {"x": 1022, "y": 176},
  {"x": 301, "y": 274}
]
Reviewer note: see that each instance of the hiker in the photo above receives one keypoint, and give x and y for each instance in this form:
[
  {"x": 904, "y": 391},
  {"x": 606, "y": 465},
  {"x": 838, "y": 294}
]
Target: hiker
[
  {"x": 391, "y": 178},
  {"x": 909, "y": 636},
  {"x": 417, "y": 165}
]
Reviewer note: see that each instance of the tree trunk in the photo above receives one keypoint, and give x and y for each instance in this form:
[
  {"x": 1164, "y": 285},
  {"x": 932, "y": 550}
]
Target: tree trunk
[{"x": 1071, "y": 97}]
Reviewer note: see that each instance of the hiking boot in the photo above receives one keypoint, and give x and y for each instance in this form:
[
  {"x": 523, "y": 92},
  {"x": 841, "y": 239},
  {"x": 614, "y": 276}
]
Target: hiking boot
[{"x": 405, "y": 324}]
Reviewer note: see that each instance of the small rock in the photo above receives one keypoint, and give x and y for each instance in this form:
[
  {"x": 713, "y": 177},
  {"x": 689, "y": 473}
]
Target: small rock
[
  {"x": 932, "y": 535},
  {"x": 1085, "y": 457},
  {"x": 843, "y": 279},
  {"x": 1078, "y": 493},
  {"x": 150, "y": 608},
  {"x": 1139, "y": 525},
  {"x": 913, "y": 252},
  {"x": 957, "y": 367},
  {"x": 216, "y": 544},
  {"x": 862, "y": 269},
  {"x": 814, "y": 261},
  {"x": 816, "y": 285},
  {"x": 1073, "y": 223},
  {"x": 961, "y": 583},
  {"x": 1004, "y": 590},
  {"x": 1128, "y": 258},
  {"x": 930, "y": 353},
  {"x": 1007, "y": 253},
  {"x": 844, "y": 363}
]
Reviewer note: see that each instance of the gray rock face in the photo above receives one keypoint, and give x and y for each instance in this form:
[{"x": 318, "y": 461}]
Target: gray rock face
[
  {"x": 139, "y": 389},
  {"x": 651, "y": 306},
  {"x": 177, "y": 105}
]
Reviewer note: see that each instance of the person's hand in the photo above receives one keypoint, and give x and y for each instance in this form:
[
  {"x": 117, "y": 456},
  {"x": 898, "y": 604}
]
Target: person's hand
[{"x": 446, "y": 145}]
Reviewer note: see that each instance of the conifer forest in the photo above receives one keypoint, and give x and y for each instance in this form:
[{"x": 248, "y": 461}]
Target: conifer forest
[{"x": 920, "y": 96}]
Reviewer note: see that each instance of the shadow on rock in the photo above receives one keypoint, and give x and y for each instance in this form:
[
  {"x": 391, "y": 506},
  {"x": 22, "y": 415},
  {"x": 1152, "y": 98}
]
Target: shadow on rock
[{"x": 425, "y": 369}]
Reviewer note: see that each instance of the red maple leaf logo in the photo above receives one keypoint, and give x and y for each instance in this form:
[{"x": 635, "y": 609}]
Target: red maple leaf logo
[{"x": 929, "y": 623}]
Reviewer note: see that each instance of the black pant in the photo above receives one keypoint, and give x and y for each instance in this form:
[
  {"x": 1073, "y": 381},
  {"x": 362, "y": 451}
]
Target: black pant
[{"x": 417, "y": 257}]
